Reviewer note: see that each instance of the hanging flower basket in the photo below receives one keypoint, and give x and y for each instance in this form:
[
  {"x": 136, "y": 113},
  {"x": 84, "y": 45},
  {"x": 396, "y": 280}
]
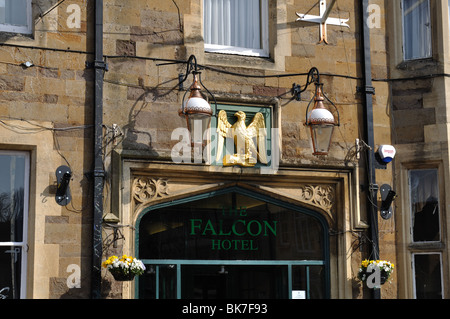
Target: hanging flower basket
[
  {"x": 120, "y": 276},
  {"x": 369, "y": 267},
  {"x": 124, "y": 268}
]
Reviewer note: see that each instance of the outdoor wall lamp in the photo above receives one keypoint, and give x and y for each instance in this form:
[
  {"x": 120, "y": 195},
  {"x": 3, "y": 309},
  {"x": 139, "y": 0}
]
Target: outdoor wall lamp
[
  {"x": 320, "y": 121},
  {"x": 63, "y": 176},
  {"x": 387, "y": 197},
  {"x": 195, "y": 109}
]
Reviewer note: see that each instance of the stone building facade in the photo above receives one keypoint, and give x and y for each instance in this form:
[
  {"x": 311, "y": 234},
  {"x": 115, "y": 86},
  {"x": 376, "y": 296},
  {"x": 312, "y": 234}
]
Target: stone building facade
[
  {"x": 312, "y": 213},
  {"x": 419, "y": 121}
]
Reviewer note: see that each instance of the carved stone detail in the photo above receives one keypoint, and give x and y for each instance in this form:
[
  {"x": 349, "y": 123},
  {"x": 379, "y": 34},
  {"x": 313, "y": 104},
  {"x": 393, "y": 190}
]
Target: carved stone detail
[
  {"x": 147, "y": 189},
  {"x": 322, "y": 196}
]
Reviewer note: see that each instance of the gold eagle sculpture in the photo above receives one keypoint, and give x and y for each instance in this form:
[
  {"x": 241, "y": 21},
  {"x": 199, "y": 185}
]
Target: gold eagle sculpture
[{"x": 249, "y": 141}]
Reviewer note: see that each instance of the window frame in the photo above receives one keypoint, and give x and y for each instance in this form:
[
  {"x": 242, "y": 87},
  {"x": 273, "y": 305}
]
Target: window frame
[
  {"x": 22, "y": 29},
  {"x": 403, "y": 33},
  {"x": 262, "y": 52},
  {"x": 23, "y": 245},
  {"x": 411, "y": 247}
]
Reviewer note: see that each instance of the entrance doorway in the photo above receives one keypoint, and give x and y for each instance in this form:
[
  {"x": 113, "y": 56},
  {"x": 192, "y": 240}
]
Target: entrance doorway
[{"x": 232, "y": 244}]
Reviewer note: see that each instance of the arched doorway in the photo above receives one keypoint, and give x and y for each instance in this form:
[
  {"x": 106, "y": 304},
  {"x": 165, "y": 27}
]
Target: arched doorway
[{"x": 234, "y": 244}]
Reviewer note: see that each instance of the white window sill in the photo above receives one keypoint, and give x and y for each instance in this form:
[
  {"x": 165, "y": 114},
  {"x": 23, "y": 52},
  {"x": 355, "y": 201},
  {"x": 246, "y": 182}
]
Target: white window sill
[
  {"x": 15, "y": 29},
  {"x": 236, "y": 50}
]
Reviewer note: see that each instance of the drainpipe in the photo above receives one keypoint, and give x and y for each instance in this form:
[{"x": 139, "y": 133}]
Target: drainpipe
[
  {"x": 99, "y": 173},
  {"x": 369, "y": 90}
]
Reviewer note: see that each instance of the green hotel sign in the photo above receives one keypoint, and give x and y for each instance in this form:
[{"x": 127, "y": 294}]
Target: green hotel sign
[{"x": 236, "y": 231}]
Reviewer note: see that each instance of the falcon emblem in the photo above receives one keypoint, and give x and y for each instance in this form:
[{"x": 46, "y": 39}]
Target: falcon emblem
[{"x": 249, "y": 141}]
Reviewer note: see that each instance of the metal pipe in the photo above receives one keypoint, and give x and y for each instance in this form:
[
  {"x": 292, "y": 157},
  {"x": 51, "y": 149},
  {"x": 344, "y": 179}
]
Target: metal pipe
[
  {"x": 99, "y": 173},
  {"x": 372, "y": 206}
]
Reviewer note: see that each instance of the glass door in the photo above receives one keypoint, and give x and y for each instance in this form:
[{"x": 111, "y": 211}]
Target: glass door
[{"x": 233, "y": 280}]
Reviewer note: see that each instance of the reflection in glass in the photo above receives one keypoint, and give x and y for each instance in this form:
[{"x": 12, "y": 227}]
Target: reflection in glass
[
  {"x": 163, "y": 276},
  {"x": 427, "y": 271},
  {"x": 237, "y": 282},
  {"x": 417, "y": 29},
  {"x": 424, "y": 193},
  {"x": 12, "y": 184},
  {"x": 12, "y": 169},
  {"x": 310, "y": 280},
  {"x": 231, "y": 246},
  {"x": 12, "y": 12},
  {"x": 10, "y": 271},
  {"x": 230, "y": 227}
]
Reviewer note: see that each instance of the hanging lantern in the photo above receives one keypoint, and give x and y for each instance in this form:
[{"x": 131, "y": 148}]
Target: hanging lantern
[
  {"x": 196, "y": 109},
  {"x": 197, "y": 112},
  {"x": 321, "y": 123}
]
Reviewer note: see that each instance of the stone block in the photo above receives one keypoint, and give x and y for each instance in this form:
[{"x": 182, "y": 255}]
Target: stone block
[
  {"x": 57, "y": 233},
  {"x": 67, "y": 41},
  {"x": 268, "y": 91},
  {"x": 416, "y": 118},
  {"x": 122, "y": 15},
  {"x": 149, "y": 35},
  {"x": 125, "y": 47},
  {"x": 11, "y": 83}
]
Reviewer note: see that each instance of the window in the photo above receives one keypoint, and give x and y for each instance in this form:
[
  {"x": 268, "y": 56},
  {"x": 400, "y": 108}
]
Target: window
[
  {"x": 426, "y": 233},
  {"x": 416, "y": 29},
  {"x": 14, "y": 174},
  {"x": 15, "y": 16},
  {"x": 236, "y": 26},
  {"x": 424, "y": 192}
]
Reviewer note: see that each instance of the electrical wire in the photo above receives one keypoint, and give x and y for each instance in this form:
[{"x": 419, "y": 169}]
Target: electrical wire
[
  {"x": 36, "y": 128},
  {"x": 48, "y": 11},
  {"x": 174, "y": 61}
]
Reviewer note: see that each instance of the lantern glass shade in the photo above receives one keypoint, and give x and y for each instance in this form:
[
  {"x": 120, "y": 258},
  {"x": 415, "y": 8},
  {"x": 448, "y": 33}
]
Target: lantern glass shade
[
  {"x": 321, "y": 138},
  {"x": 197, "y": 126}
]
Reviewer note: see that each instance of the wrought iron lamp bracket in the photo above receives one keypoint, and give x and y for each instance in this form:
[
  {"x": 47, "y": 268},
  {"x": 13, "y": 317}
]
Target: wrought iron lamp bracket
[
  {"x": 192, "y": 68},
  {"x": 313, "y": 77}
]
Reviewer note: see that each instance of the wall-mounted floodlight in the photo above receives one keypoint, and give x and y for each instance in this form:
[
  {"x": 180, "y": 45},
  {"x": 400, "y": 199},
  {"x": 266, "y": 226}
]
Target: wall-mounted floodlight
[
  {"x": 387, "y": 197},
  {"x": 63, "y": 176}
]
